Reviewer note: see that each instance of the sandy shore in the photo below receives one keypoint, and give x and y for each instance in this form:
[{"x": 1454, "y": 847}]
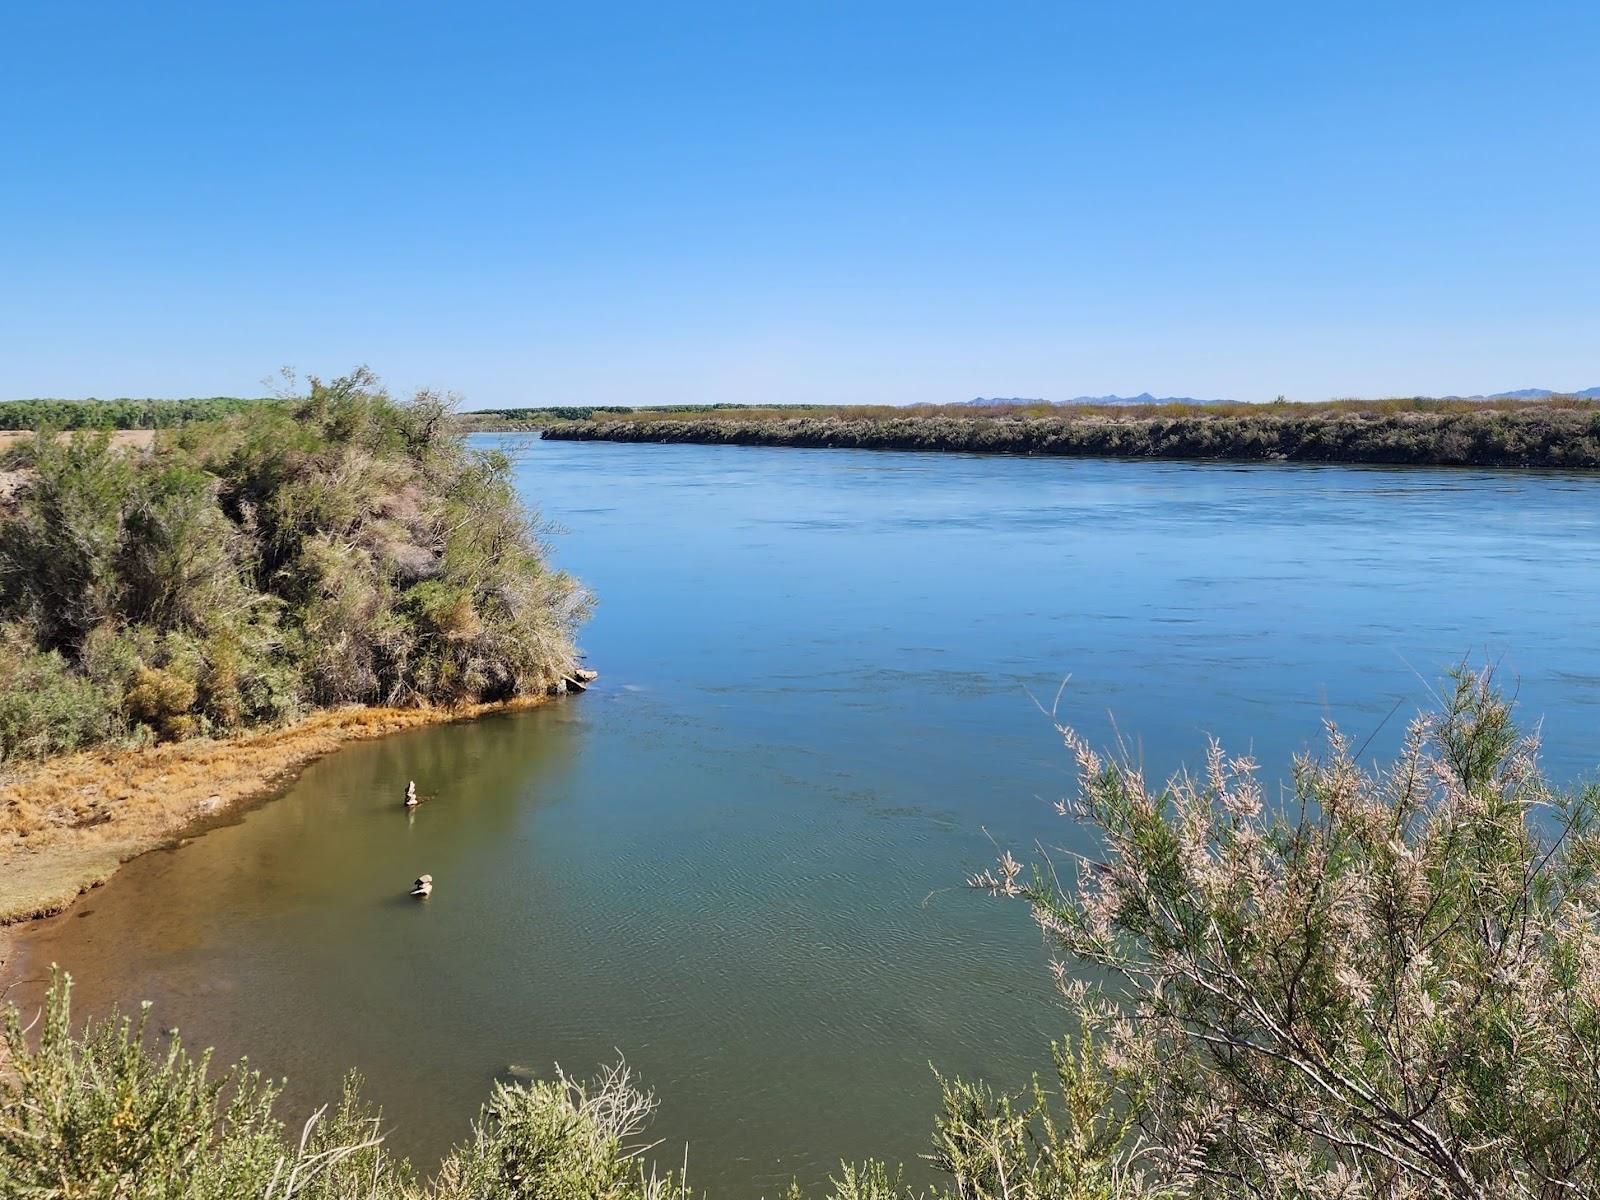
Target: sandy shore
[{"x": 66, "y": 825}]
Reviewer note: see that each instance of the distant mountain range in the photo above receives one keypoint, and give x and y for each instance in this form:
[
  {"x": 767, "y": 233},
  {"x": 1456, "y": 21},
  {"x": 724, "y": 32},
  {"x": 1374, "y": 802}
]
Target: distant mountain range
[
  {"x": 1141, "y": 398},
  {"x": 986, "y": 401},
  {"x": 1533, "y": 394}
]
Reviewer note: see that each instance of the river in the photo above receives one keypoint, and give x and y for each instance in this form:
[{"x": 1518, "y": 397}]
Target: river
[{"x": 737, "y": 860}]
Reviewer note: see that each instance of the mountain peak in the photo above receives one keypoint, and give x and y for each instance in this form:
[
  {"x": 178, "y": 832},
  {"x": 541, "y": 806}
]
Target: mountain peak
[{"x": 1141, "y": 398}]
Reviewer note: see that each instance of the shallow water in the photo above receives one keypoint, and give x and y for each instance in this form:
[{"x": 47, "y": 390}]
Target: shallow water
[{"x": 737, "y": 859}]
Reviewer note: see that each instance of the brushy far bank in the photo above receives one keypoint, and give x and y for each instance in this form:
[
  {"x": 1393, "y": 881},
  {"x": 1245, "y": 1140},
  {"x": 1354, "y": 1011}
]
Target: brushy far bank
[
  {"x": 1383, "y": 984},
  {"x": 1548, "y": 433},
  {"x": 337, "y": 548}
]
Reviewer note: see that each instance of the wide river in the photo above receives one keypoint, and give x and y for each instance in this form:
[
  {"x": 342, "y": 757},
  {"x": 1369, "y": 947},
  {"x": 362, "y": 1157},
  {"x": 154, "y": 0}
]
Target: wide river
[{"x": 737, "y": 860}]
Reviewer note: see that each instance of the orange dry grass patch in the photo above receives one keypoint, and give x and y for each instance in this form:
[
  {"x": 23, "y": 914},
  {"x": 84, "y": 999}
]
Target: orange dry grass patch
[{"x": 67, "y": 824}]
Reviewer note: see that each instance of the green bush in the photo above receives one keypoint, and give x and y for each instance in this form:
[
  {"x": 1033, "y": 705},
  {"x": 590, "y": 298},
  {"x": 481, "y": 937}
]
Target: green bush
[
  {"x": 1548, "y": 433},
  {"x": 60, "y": 543},
  {"x": 46, "y": 707}
]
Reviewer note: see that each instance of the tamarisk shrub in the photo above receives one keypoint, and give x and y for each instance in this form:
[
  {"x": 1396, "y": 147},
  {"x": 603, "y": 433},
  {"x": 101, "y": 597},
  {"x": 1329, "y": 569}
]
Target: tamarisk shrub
[{"x": 1386, "y": 985}]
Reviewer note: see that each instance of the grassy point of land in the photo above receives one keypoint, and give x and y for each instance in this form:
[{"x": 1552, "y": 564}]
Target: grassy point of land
[{"x": 67, "y": 824}]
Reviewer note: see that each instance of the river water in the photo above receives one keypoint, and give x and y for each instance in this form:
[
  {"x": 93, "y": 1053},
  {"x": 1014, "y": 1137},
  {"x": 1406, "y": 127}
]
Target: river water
[{"x": 737, "y": 859}]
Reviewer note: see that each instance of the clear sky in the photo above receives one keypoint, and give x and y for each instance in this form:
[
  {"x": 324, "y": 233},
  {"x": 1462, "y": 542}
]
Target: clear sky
[{"x": 801, "y": 202}]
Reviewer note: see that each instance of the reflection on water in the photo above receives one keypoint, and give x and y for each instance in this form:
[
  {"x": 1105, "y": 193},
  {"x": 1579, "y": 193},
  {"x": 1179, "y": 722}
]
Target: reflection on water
[{"x": 736, "y": 858}]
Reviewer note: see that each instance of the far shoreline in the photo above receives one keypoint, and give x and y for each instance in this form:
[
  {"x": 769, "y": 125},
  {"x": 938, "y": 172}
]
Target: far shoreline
[{"x": 1543, "y": 435}]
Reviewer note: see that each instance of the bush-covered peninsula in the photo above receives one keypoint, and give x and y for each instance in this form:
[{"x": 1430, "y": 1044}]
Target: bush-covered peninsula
[
  {"x": 1547, "y": 433},
  {"x": 340, "y": 548},
  {"x": 1383, "y": 984}
]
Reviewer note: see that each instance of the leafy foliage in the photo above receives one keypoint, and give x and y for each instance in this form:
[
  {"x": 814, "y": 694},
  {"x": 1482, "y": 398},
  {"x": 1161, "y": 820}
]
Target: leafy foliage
[
  {"x": 995, "y": 1145},
  {"x": 117, "y": 414},
  {"x": 340, "y": 548},
  {"x": 1388, "y": 987},
  {"x": 102, "y": 1116}
]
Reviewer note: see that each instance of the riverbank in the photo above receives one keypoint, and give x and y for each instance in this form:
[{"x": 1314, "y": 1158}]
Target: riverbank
[
  {"x": 1547, "y": 434},
  {"x": 68, "y": 823}
]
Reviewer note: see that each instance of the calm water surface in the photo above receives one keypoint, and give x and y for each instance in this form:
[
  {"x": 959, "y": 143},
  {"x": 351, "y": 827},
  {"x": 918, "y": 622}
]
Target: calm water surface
[{"x": 735, "y": 860}]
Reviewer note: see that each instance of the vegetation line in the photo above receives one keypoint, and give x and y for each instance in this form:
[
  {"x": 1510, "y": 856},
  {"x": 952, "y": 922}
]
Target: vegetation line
[
  {"x": 1548, "y": 434},
  {"x": 120, "y": 414}
]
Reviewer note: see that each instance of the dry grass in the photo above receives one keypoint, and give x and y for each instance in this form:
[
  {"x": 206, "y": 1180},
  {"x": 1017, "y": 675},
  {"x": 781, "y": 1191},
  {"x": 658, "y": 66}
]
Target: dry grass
[{"x": 67, "y": 824}]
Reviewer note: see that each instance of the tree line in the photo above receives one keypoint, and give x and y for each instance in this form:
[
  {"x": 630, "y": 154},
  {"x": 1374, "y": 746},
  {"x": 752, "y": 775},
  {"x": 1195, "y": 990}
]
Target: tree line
[{"x": 119, "y": 414}]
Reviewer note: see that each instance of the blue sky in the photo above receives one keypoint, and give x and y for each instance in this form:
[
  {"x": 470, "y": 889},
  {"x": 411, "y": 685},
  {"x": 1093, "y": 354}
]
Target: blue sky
[{"x": 801, "y": 202}]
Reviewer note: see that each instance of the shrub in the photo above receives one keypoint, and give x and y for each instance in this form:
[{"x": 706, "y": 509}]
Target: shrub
[
  {"x": 163, "y": 700},
  {"x": 59, "y": 547},
  {"x": 557, "y": 1140},
  {"x": 1387, "y": 986},
  {"x": 101, "y": 1116},
  {"x": 1072, "y": 1146},
  {"x": 117, "y": 414},
  {"x": 1549, "y": 433},
  {"x": 46, "y": 707}
]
